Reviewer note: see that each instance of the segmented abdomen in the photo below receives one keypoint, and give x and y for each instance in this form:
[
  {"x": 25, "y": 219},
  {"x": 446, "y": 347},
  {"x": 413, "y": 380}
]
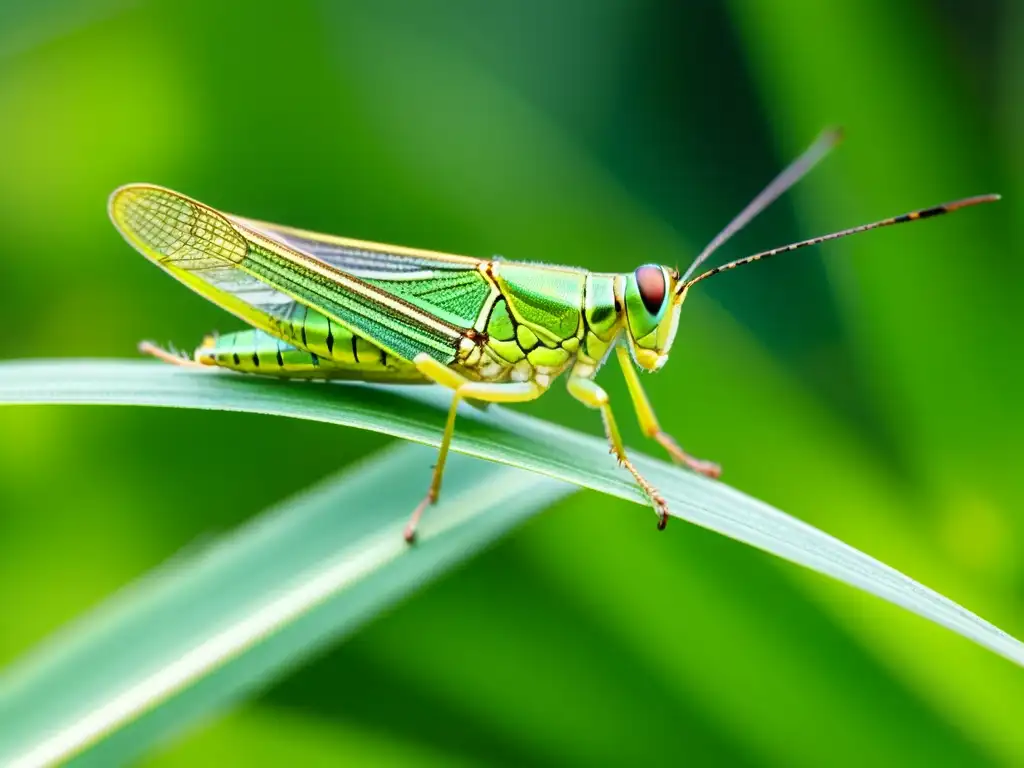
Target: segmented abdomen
[{"x": 253, "y": 351}]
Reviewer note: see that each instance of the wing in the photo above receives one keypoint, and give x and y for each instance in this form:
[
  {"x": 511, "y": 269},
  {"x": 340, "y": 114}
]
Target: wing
[
  {"x": 361, "y": 257},
  {"x": 447, "y": 286},
  {"x": 404, "y": 300}
]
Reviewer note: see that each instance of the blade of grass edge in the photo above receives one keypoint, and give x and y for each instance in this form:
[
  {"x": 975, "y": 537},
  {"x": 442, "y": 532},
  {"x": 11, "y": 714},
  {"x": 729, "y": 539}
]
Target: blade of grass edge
[
  {"x": 212, "y": 626},
  {"x": 501, "y": 435}
]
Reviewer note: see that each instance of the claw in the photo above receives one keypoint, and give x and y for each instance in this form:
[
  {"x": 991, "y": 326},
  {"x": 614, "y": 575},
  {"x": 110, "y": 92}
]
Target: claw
[
  {"x": 661, "y": 507},
  {"x": 409, "y": 534}
]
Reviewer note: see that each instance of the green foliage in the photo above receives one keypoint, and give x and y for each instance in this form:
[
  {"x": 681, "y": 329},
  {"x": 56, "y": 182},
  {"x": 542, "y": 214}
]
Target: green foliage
[
  {"x": 870, "y": 388},
  {"x": 217, "y": 624}
]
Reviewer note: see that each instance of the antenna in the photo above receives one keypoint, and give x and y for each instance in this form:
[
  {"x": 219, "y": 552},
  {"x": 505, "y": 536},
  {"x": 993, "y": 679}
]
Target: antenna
[
  {"x": 924, "y": 213},
  {"x": 790, "y": 176}
]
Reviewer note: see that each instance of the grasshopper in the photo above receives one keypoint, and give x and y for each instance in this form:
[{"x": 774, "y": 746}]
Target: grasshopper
[{"x": 491, "y": 330}]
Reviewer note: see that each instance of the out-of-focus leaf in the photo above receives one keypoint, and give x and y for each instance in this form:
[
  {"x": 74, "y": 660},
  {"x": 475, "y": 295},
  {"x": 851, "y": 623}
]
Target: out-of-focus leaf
[
  {"x": 928, "y": 305},
  {"x": 26, "y": 25},
  {"x": 934, "y": 309},
  {"x": 282, "y": 737},
  {"x": 210, "y": 627}
]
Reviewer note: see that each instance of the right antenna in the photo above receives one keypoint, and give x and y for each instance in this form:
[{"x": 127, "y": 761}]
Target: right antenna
[
  {"x": 790, "y": 176},
  {"x": 924, "y": 213}
]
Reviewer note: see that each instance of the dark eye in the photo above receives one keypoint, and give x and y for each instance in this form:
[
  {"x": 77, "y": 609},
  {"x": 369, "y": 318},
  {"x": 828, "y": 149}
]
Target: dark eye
[{"x": 650, "y": 281}]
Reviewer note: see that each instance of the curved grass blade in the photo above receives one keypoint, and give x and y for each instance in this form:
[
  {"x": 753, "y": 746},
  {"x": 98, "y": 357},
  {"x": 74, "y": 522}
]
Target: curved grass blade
[
  {"x": 210, "y": 627},
  {"x": 504, "y": 436}
]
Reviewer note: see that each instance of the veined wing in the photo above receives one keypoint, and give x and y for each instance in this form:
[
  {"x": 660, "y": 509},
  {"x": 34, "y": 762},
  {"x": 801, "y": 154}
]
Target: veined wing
[
  {"x": 258, "y": 274},
  {"x": 362, "y": 257},
  {"x": 449, "y": 287}
]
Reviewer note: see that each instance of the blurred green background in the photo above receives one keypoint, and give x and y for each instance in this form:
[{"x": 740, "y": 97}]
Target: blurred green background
[{"x": 871, "y": 387}]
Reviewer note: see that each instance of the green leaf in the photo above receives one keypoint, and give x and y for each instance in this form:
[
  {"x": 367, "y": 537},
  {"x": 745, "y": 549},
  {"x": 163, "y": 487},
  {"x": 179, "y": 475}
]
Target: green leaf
[
  {"x": 501, "y": 435},
  {"x": 211, "y": 626}
]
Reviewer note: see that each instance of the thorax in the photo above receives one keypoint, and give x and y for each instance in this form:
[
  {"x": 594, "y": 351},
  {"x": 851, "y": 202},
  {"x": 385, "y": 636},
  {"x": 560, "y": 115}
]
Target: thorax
[{"x": 541, "y": 321}]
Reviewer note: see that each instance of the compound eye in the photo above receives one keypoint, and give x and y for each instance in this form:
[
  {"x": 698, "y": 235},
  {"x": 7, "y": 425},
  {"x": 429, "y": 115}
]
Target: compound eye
[{"x": 650, "y": 282}]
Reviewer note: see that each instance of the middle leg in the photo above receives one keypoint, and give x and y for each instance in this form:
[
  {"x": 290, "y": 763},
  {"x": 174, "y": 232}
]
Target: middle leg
[
  {"x": 592, "y": 395},
  {"x": 463, "y": 388},
  {"x": 649, "y": 422}
]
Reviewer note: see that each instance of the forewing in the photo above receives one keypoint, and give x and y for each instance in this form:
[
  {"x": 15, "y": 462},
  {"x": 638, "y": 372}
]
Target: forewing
[
  {"x": 199, "y": 247},
  {"x": 361, "y": 257},
  {"x": 446, "y": 286},
  {"x": 259, "y": 272}
]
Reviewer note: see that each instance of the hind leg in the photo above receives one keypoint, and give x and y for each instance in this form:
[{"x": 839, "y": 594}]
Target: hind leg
[{"x": 172, "y": 356}]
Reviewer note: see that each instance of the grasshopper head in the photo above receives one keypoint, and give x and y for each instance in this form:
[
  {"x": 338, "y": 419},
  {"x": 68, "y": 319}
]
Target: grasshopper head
[{"x": 652, "y": 296}]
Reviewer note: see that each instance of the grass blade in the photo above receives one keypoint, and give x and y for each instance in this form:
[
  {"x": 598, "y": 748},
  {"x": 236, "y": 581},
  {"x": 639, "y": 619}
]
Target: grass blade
[
  {"x": 209, "y": 628},
  {"x": 503, "y": 436}
]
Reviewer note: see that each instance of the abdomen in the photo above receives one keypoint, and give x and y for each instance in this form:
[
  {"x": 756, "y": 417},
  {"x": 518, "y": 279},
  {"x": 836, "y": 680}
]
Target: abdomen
[{"x": 350, "y": 357}]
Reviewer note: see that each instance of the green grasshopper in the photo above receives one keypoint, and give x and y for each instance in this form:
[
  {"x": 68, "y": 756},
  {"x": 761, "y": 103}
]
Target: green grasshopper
[{"x": 491, "y": 330}]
